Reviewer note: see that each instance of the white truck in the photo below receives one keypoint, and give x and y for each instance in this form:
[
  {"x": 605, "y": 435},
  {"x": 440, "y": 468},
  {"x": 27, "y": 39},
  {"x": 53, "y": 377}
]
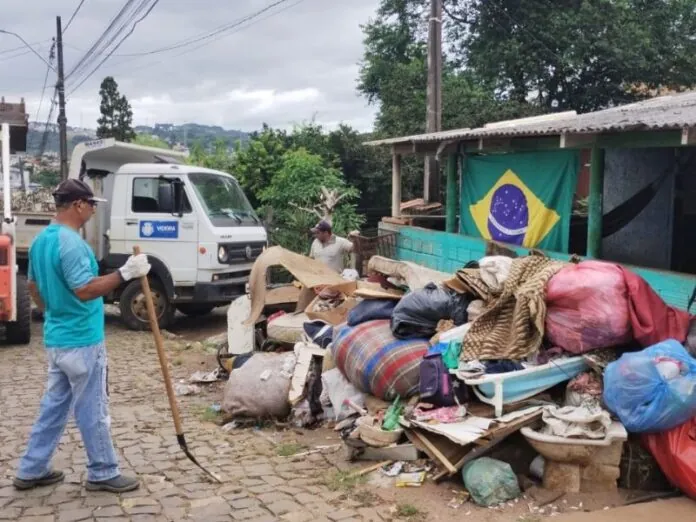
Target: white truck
[{"x": 196, "y": 226}]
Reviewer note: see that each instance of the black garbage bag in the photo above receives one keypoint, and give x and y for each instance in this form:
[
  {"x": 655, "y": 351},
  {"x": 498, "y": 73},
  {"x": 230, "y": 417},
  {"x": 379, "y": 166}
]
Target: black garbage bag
[{"x": 417, "y": 314}]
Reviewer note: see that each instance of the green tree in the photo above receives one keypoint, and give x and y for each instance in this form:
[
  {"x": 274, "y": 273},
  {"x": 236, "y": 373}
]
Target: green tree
[
  {"x": 508, "y": 58},
  {"x": 148, "y": 140},
  {"x": 46, "y": 178},
  {"x": 116, "y": 120},
  {"x": 281, "y": 171},
  {"x": 298, "y": 184},
  {"x": 257, "y": 163}
]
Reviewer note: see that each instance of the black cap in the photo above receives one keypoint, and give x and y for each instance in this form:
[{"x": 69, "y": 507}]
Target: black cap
[
  {"x": 74, "y": 190},
  {"x": 322, "y": 226}
]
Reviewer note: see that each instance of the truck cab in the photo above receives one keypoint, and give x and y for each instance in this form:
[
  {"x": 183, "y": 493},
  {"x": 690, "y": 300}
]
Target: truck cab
[{"x": 196, "y": 226}]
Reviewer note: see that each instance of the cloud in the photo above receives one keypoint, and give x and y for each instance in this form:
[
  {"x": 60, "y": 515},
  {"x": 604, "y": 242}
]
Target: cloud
[{"x": 295, "y": 62}]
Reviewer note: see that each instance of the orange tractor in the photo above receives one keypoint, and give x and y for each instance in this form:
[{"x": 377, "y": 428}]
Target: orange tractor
[{"x": 15, "y": 302}]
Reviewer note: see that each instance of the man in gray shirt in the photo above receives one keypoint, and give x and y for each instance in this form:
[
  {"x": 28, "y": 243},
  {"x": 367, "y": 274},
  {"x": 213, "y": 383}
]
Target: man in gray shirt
[{"x": 328, "y": 248}]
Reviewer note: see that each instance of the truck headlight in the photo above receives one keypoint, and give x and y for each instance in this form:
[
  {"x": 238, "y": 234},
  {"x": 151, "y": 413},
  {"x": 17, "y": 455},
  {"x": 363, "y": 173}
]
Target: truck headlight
[{"x": 223, "y": 255}]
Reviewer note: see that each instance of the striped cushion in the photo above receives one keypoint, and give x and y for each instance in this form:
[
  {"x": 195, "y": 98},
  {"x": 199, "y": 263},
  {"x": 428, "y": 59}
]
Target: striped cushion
[{"x": 374, "y": 361}]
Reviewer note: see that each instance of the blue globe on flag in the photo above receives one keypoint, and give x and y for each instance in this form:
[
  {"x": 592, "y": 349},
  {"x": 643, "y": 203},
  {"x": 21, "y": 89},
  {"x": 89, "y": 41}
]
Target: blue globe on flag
[{"x": 508, "y": 217}]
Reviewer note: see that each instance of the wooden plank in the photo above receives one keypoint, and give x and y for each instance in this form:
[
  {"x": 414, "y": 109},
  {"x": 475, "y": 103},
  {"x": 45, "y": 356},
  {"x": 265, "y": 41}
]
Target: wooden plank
[
  {"x": 396, "y": 185},
  {"x": 370, "y": 469},
  {"x": 404, "y": 221},
  {"x": 431, "y": 449}
]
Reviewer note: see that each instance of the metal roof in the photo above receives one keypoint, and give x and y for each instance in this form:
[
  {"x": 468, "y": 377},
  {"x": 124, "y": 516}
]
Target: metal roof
[{"x": 675, "y": 111}]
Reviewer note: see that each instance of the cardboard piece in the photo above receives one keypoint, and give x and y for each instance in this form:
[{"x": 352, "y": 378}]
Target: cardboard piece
[
  {"x": 336, "y": 316},
  {"x": 310, "y": 272}
]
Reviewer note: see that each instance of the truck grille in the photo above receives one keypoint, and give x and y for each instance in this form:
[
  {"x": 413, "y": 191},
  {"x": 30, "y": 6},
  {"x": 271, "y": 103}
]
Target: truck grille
[{"x": 243, "y": 252}]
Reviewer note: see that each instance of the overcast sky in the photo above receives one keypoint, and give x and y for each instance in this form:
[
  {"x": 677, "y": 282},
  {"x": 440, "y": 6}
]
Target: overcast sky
[{"x": 295, "y": 62}]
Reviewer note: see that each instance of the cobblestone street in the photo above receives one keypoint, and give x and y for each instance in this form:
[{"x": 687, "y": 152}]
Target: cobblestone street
[
  {"x": 258, "y": 484},
  {"x": 276, "y": 473}
]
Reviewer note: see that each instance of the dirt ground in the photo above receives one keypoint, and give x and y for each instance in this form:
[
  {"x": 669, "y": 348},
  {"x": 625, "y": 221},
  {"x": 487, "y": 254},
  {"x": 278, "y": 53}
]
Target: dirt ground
[{"x": 270, "y": 472}]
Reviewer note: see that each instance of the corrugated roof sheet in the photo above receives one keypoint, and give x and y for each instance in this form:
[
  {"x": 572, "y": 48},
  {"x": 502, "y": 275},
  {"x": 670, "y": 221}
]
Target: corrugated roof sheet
[{"x": 675, "y": 111}]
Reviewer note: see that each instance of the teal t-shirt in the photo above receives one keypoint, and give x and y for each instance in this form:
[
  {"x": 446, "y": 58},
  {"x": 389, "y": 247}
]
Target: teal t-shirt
[{"x": 60, "y": 261}]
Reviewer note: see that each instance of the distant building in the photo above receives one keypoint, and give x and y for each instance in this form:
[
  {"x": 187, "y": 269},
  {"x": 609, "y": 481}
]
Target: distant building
[{"x": 16, "y": 115}]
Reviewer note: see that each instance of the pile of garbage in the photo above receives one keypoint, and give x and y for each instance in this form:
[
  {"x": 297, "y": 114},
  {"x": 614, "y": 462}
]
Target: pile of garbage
[
  {"x": 39, "y": 200},
  {"x": 576, "y": 357}
]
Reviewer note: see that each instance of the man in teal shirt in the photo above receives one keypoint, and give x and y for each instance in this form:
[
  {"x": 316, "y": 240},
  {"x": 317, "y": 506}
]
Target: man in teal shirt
[{"x": 65, "y": 284}]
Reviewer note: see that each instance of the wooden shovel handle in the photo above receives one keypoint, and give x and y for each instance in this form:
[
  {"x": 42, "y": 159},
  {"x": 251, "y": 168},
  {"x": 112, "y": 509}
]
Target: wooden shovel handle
[{"x": 159, "y": 343}]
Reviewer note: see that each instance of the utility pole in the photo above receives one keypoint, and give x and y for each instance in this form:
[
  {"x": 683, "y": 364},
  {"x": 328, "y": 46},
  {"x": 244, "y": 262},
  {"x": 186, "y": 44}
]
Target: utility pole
[
  {"x": 433, "y": 122},
  {"x": 62, "y": 120}
]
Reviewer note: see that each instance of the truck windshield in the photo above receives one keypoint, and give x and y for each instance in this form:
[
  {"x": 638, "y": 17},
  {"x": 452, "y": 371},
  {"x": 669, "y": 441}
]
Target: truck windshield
[{"x": 223, "y": 200}]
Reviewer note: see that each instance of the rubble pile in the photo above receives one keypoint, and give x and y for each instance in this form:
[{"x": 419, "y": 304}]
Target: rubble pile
[
  {"x": 431, "y": 374},
  {"x": 39, "y": 200}
]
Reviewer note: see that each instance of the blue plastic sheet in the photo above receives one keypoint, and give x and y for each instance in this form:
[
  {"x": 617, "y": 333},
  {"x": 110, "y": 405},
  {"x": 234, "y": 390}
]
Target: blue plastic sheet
[{"x": 652, "y": 390}]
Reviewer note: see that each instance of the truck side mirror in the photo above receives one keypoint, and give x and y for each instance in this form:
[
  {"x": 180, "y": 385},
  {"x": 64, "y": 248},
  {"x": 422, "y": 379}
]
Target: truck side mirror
[{"x": 177, "y": 187}]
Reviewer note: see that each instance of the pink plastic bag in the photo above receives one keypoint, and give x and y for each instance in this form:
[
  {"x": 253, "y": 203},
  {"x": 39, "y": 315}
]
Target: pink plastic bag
[{"x": 587, "y": 307}]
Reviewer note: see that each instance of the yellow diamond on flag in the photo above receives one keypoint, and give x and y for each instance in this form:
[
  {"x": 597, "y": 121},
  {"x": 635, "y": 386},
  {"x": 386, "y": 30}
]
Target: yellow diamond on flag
[{"x": 512, "y": 213}]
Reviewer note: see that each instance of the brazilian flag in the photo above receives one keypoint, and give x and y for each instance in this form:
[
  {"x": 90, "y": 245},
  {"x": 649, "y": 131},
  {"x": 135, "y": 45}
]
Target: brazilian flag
[{"x": 523, "y": 199}]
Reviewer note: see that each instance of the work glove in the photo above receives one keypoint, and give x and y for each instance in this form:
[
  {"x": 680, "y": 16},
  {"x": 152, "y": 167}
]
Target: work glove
[{"x": 135, "y": 267}]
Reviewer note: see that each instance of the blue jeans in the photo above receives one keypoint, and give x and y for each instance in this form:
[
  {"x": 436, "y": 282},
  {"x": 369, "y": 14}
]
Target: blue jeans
[{"x": 77, "y": 379}]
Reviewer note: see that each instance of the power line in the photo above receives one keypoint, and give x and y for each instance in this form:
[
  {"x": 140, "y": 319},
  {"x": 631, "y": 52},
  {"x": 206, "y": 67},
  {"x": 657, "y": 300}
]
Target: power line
[
  {"x": 72, "y": 17},
  {"x": 220, "y": 29},
  {"x": 217, "y": 38},
  {"x": 22, "y": 47},
  {"x": 44, "y": 137},
  {"x": 84, "y": 60},
  {"x": 145, "y": 15},
  {"x": 26, "y": 44},
  {"x": 51, "y": 56}
]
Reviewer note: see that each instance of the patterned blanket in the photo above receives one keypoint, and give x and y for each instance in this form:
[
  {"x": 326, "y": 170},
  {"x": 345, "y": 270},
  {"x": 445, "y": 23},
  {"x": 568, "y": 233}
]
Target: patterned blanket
[
  {"x": 374, "y": 361},
  {"x": 512, "y": 325}
]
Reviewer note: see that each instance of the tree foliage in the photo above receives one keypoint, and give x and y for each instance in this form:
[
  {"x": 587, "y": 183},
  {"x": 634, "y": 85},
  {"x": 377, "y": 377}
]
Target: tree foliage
[
  {"x": 281, "y": 171},
  {"x": 512, "y": 58},
  {"x": 116, "y": 120},
  {"x": 297, "y": 184},
  {"x": 149, "y": 140}
]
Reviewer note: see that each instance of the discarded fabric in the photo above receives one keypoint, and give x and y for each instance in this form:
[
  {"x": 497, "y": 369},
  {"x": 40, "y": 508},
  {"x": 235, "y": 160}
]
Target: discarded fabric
[
  {"x": 490, "y": 482},
  {"x": 586, "y": 387},
  {"x": 371, "y": 310},
  {"x": 503, "y": 366},
  {"x": 415, "y": 276},
  {"x": 646, "y": 394},
  {"x": 495, "y": 270},
  {"x": 418, "y": 313},
  {"x": 475, "y": 309},
  {"x": 445, "y": 415},
  {"x": 319, "y": 332},
  {"x": 376, "y": 362},
  {"x": 585, "y": 422},
  {"x": 512, "y": 326},
  {"x": 338, "y": 390},
  {"x": 652, "y": 320}
]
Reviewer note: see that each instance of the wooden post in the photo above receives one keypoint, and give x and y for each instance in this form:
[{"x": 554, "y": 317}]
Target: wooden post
[
  {"x": 433, "y": 119},
  {"x": 396, "y": 184},
  {"x": 596, "y": 207},
  {"x": 452, "y": 195}
]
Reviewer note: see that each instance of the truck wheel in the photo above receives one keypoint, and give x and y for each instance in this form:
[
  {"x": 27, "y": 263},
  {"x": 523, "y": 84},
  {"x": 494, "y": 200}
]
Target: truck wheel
[
  {"x": 19, "y": 332},
  {"x": 134, "y": 310},
  {"x": 195, "y": 310}
]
